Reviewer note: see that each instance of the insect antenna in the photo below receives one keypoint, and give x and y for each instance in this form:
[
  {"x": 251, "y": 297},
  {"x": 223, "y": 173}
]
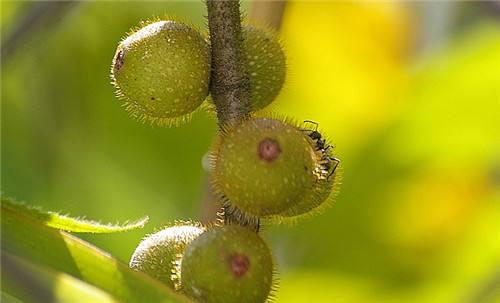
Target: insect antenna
[{"x": 312, "y": 122}]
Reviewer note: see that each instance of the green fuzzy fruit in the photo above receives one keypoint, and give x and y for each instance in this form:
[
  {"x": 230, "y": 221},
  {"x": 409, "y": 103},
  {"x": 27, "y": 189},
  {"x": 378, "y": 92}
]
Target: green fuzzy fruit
[
  {"x": 156, "y": 255},
  {"x": 162, "y": 72},
  {"x": 326, "y": 171},
  {"x": 266, "y": 167},
  {"x": 227, "y": 264},
  {"x": 265, "y": 64},
  {"x": 321, "y": 194}
]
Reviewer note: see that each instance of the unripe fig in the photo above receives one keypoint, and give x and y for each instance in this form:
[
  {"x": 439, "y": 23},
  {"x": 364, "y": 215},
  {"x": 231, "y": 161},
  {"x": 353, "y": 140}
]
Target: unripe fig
[
  {"x": 227, "y": 264},
  {"x": 322, "y": 195},
  {"x": 326, "y": 172},
  {"x": 157, "y": 253},
  {"x": 162, "y": 72},
  {"x": 269, "y": 168},
  {"x": 265, "y": 64}
]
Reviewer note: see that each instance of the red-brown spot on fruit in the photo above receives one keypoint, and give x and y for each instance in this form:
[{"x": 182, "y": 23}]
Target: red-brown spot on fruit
[
  {"x": 239, "y": 264},
  {"x": 269, "y": 149},
  {"x": 119, "y": 60}
]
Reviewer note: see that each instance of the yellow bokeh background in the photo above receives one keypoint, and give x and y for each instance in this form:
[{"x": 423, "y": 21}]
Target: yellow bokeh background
[{"x": 415, "y": 122}]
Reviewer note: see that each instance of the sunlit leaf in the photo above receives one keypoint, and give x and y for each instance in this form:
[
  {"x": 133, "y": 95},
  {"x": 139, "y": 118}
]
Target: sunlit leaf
[
  {"x": 28, "y": 237},
  {"x": 67, "y": 223},
  {"x": 29, "y": 282}
]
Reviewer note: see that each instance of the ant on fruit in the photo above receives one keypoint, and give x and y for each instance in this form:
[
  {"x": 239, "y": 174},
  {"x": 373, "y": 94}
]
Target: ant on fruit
[{"x": 329, "y": 164}]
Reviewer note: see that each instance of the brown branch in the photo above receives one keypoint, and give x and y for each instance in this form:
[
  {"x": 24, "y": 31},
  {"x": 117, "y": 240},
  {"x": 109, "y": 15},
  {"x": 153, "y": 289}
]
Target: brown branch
[{"x": 229, "y": 82}]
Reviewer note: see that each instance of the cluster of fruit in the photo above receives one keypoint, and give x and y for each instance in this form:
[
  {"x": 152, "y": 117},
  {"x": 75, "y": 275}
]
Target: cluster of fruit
[
  {"x": 162, "y": 70},
  {"x": 263, "y": 169}
]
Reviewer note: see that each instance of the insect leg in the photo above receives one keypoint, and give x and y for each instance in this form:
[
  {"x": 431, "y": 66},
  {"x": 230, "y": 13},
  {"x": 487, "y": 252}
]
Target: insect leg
[{"x": 337, "y": 162}]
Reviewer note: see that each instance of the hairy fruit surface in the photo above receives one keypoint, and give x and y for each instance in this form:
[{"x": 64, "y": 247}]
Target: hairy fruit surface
[
  {"x": 265, "y": 64},
  {"x": 227, "y": 264},
  {"x": 266, "y": 167},
  {"x": 157, "y": 253},
  {"x": 162, "y": 72}
]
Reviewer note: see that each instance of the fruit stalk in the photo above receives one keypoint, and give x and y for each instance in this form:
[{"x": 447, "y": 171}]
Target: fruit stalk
[{"x": 229, "y": 82}]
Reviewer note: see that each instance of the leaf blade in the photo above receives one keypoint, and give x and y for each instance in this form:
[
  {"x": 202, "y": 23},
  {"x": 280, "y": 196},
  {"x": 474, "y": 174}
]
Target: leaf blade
[
  {"x": 67, "y": 223},
  {"x": 30, "y": 282},
  {"x": 31, "y": 239}
]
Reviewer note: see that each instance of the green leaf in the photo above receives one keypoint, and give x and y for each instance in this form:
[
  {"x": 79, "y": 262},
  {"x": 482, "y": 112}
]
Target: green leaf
[
  {"x": 28, "y": 282},
  {"x": 66, "y": 223},
  {"x": 27, "y": 237},
  {"x": 7, "y": 298}
]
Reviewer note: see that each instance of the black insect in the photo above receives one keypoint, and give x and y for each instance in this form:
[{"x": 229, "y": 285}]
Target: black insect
[
  {"x": 329, "y": 164},
  {"x": 316, "y": 136}
]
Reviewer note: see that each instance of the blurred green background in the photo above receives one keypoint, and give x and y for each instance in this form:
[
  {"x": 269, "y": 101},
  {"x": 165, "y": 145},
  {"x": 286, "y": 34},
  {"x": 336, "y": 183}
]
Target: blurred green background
[{"x": 408, "y": 92}]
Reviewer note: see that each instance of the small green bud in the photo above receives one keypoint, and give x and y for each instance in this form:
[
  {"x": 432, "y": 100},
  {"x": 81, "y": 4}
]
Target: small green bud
[
  {"x": 162, "y": 72},
  {"x": 265, "y": 64},
  {"x": 156, "y": 255},
  {"x": 227, "y": 264}
]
